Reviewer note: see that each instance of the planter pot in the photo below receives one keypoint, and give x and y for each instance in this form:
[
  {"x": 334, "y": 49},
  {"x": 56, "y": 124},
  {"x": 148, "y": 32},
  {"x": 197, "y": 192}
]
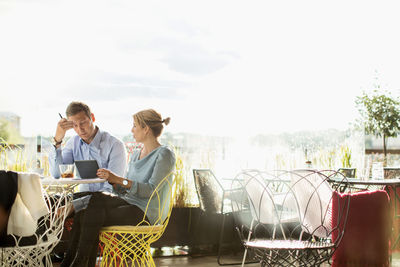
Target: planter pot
[
  {"x": 190, "y": 226},
  {"x": 391, "y": 172},
  {"x": 179, "y": 229},
  {"x": 348, "y": 172}
]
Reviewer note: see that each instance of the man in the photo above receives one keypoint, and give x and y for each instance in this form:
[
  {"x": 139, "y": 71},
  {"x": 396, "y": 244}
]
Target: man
[{"x": 89, "y": 143}]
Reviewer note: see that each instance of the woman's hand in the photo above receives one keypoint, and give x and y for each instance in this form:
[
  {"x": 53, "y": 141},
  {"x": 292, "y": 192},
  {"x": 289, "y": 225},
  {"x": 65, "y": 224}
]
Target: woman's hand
[
  {"x": 109, "y": 176},
  {"x": 113, "y": 178}
]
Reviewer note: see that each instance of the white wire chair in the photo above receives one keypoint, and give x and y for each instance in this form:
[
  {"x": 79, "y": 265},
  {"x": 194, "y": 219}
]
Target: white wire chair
[
  {"x": 289, "y": 218},
  {"x": 35, "y": 250}
]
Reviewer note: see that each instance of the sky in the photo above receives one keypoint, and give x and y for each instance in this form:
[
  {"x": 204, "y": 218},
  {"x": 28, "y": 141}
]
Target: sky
[{"x": 225, "y": 68}]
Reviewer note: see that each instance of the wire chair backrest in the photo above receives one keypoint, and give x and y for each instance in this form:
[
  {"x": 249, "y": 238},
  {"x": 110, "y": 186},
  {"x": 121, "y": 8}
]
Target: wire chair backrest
[
  {"x": 161, "y": 200},
  {"x": 209, "y": 191},
  {"x": 35, "y": 250},
  {"x": 314, "y": 196},
  {"x": 298, "y": 203},
  {"x": 268, "y": 196}
]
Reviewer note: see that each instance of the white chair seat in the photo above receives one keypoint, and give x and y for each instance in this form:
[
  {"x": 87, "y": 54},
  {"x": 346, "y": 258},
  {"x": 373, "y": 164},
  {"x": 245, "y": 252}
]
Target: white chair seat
[{"x": 287, "y": 244}]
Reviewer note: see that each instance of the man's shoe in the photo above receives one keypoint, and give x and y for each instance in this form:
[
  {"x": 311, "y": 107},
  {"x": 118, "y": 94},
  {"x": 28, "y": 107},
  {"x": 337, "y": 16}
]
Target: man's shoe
[
  {"x": 57, "y": 257},
  {"x": 80, "y": 261}
]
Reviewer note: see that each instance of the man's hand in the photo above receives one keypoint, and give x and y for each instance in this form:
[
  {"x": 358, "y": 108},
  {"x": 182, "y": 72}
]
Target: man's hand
[{"x": 62, "y": 127}]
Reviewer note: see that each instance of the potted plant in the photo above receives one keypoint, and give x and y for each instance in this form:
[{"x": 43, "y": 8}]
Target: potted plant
[
  {"x": 380, "y": 115},
  {"x": 12, "y": 157},
  {"x": 345, "y": 159},
  {"x": 181, "y": 185},
  {"x": 178, "y": 231}
]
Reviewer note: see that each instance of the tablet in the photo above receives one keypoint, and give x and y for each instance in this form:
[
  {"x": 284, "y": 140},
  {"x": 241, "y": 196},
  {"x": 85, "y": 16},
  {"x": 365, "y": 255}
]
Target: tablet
[{"x": 87, "y": 169}]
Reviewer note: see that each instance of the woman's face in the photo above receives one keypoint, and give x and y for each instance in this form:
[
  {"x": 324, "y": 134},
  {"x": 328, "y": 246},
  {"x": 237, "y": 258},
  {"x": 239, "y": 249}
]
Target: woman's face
[{"x": 139, "y": 132}]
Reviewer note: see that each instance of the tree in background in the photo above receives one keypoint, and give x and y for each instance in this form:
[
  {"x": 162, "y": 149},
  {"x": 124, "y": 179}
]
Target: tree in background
[
  {"x": 4, "y": 134},
  {"x": 380, "y": 115},
  {"x": 9, "y": 134}
]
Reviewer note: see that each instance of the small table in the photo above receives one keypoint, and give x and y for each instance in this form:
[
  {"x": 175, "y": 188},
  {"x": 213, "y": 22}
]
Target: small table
[
  {"x": 386, "y": 183},
  {"x": 68, "y": 184}
]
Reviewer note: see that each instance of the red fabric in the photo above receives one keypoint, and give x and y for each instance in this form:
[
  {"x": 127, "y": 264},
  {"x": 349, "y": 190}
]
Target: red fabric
[
  {"x": 367, "y": 231},
  {"x": 394, "y": 204},
  {"x": 68, "y": 224}
]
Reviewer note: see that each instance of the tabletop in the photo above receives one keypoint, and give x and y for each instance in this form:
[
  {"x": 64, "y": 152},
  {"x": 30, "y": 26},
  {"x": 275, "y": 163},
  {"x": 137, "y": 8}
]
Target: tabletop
[
  {"x": 69, "y": 181},
  {"x": 394, "y": 181}
]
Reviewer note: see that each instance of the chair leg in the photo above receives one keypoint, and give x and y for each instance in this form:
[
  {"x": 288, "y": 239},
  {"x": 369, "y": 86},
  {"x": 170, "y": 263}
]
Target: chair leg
[
  {"x": 248, "y": 239},
  {"x": 220, "y": 245}
]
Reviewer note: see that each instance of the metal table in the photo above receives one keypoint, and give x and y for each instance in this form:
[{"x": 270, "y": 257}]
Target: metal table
[{"x": 67, "y": 184}]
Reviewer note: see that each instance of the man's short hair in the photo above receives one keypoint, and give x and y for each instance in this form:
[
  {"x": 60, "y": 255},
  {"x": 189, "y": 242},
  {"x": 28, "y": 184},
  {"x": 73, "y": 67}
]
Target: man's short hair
[{"x": 76, "y": 107}]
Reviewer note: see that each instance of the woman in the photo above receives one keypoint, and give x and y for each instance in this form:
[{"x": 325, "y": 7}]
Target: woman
[{"x": 130, "y": 196}]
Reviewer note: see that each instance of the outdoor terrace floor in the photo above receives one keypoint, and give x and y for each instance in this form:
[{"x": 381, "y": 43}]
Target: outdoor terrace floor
[{"x": 211, "y": 261}]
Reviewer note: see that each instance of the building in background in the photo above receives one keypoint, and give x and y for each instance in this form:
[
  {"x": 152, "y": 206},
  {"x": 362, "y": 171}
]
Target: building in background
[{"x": 375, "y": 145}]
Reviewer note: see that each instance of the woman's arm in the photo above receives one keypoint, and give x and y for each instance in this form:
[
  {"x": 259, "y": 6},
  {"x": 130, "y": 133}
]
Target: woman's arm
[
  {"x": 164, "y": 165},
  {"x": 112, "y": 178}
]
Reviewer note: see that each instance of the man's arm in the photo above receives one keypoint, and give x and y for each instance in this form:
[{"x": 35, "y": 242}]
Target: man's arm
[
  {"x": 117, "y": 162},
  {"x": 57, "y": 155},
  {"x": 61, "y": 156}
]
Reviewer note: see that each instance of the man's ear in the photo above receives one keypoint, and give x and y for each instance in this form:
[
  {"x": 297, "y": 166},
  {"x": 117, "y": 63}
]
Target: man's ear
[{"x": 93, "y": 118}]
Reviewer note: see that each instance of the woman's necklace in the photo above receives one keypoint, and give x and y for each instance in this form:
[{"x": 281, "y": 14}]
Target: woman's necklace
[{"x": 143, "y": 153}]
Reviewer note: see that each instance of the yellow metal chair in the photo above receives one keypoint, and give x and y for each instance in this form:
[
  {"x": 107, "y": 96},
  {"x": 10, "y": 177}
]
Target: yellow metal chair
[{"x": 130, "y": 245}]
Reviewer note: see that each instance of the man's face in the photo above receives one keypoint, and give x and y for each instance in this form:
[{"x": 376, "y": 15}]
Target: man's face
[{"x": 83, "y": 125}]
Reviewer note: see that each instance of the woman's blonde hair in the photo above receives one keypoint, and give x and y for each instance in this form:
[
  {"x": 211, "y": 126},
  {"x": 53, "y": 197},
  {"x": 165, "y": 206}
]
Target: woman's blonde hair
[{"x": 151, "y": 118}]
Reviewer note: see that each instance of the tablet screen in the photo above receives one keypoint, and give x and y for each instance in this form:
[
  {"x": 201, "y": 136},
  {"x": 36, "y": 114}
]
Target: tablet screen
[{"x": 87, "y": 169}]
